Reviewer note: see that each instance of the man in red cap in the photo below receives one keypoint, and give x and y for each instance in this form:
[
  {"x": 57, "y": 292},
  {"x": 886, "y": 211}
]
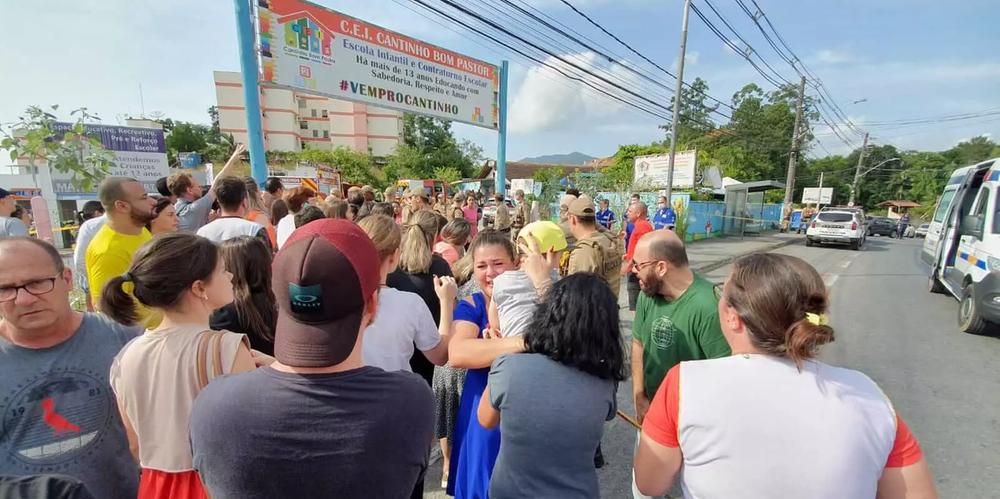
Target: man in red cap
[{"x": 317, "y": 422}]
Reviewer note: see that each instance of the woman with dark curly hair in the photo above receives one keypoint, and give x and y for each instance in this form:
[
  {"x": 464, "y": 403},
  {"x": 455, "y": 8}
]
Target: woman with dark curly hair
[{"x": 552, "y": 400}]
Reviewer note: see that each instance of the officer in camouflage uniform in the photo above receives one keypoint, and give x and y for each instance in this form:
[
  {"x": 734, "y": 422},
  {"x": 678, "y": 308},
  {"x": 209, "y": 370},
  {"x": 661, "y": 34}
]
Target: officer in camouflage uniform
[
  {"x": 596, "y": 249},
  {"x": 521, "y": 215}
]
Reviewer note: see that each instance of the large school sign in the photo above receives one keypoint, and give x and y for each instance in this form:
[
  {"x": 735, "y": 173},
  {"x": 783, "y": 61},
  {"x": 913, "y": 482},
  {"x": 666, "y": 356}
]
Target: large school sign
[{"x": 312, "y": 49}]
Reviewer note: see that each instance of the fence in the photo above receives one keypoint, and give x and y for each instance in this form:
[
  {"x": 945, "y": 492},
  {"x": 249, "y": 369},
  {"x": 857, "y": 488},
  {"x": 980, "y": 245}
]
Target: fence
[{"x": 705, "y": 219}]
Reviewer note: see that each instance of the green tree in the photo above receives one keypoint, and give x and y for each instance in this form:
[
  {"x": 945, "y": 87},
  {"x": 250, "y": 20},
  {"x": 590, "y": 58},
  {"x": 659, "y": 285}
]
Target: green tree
[
  {"x": 186, "y": 137},
  {"x": 551, "y": 182},
  {"x": 695, "y": 116},
  {"x": 75, "y": 152},
  {"x": 430, "y": 144}
]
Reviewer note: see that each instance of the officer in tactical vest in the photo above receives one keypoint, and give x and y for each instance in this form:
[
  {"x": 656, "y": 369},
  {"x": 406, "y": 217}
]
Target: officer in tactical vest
[{"x": 596, "y": 249}]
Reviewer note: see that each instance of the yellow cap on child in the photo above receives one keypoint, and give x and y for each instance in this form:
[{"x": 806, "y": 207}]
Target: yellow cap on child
[{"x": 550, "y": 236}]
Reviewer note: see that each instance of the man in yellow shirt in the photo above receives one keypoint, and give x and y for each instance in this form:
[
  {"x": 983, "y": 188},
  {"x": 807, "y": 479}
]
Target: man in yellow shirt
[{"x": 128, "y": 208}]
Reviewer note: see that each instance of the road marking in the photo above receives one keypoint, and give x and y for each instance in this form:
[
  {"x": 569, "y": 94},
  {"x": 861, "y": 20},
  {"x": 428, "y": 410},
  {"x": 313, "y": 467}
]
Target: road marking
[{"x": 829, "y": 279}]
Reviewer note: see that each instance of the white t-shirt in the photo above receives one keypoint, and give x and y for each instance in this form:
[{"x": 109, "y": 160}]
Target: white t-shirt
[
  {"x": 88, "y": 229},
  {"x": 402, "y": 320},
  {"x": 222, "y": 229},
  {"x": 517, "y": 300},
  {"x": 284, "y": 229}
]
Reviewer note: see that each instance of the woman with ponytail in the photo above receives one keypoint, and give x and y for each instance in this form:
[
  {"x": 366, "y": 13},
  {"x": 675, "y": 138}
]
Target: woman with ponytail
[
  {"x": 418, "y": 265},
  {"x": 771, "y": 420},
  {"x": 157, "y": 376}
]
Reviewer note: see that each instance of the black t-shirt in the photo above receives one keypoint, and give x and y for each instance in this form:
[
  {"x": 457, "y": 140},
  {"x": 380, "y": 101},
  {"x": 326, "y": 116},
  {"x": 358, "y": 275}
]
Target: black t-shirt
[
  {"x": 422, "y": 285},
  {"x": 267, "y": 434},
  {"x": 226, "y": 318}
]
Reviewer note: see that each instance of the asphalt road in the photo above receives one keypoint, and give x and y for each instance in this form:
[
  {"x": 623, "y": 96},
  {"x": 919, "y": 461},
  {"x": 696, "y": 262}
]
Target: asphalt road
[{"x": 945, "y": 383}]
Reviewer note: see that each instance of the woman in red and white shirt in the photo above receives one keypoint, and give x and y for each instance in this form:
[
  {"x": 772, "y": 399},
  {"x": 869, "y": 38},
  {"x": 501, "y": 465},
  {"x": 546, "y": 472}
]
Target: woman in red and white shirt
[{"x": 771, "y": 421}]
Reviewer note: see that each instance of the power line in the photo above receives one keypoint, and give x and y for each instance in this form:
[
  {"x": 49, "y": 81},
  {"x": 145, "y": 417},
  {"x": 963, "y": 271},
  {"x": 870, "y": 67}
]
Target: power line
[
  {"x": 642, "y": 107},
  {"x": 750, "y": 48},
  {"x": 636, "y": 52},
  {"x": 587, "y": 46},
  {"x": 730, "y": 44}
]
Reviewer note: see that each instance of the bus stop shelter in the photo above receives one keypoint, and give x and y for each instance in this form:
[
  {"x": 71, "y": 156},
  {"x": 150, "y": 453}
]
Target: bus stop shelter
[{"x": 745, "y": 207}]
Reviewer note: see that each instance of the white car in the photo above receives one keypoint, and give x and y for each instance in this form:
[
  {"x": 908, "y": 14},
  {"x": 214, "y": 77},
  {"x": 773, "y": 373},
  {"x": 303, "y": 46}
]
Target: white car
[{"x": 837, "y": 227}]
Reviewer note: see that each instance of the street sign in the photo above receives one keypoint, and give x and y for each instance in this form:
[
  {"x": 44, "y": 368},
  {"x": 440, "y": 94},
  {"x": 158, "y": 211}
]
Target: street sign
[{"x": 816, "y": 195}]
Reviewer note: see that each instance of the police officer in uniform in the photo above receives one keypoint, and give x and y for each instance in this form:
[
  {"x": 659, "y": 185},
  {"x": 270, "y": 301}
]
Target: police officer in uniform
[
  {"x": 596, "y": 249},
  {"x": 522, "y": 214},
  {"x": 501, "y": 219}
]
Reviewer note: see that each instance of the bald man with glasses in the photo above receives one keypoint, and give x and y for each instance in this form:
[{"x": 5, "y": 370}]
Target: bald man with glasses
[{"x": 676, "y": 317}]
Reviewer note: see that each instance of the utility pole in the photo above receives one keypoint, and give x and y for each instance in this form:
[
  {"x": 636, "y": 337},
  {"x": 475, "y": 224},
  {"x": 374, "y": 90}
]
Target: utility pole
[
  {"x": 677, "y": 102},
  {"x": 857, "y": 172},
  {"x": 819, "y": 202},
  {"x": 793, "y": 155}
]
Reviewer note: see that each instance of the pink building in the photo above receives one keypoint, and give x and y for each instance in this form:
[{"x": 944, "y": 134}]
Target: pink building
[{"x": 295, "y": 121}]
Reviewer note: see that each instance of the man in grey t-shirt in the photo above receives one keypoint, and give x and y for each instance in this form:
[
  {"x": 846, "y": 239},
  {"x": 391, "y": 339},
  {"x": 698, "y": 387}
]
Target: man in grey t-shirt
[
  {"x": 9, "y": 226},
  {"x": 59, "y": 414},
  {"x": 192, "y": 207}
]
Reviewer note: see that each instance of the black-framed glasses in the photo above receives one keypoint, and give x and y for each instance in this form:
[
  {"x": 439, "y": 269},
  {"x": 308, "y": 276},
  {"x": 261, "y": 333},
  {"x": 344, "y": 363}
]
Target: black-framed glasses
[
  {"x": 636, "y": 266},
  {"x": 37, "y": 287}
]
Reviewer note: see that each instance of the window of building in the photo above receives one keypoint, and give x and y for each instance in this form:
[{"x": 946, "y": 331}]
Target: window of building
[
  {"x": 302, "y": 103},
  {"x": 315, "y": 134},
  {"x": 326, "y": 134},
  {"x": 303, "y": 125},
  {"x": 326, "y": 114},
  {"x": 302, "y": 144},
  {"x": 313, "y": 113}
]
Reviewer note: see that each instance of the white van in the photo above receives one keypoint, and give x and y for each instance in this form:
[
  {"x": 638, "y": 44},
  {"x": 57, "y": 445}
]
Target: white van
[{"x": 962, "y": 245}]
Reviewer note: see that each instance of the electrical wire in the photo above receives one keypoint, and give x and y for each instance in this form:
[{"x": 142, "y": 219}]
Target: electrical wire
[
  {"x": 636, "y": 52},
  {"x": 624, "y": 100}
]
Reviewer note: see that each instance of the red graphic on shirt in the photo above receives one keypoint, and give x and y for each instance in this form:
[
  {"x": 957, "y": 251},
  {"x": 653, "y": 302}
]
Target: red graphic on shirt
[{"x": 55, "y": 420}]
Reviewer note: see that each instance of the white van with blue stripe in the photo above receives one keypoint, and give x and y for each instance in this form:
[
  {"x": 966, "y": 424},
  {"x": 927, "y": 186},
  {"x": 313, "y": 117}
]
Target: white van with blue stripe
[{"x": 963, "y": 245}]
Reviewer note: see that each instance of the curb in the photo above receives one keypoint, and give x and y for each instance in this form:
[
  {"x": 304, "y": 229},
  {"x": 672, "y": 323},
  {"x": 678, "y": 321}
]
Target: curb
[{"x": 717, "y": 264}]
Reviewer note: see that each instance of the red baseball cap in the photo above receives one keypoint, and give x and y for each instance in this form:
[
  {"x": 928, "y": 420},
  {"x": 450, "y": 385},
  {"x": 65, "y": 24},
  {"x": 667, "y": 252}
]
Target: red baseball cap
[{"x": 322, "y": 277}]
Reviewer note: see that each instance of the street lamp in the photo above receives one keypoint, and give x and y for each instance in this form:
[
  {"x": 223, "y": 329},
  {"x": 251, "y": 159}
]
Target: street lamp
[{"x": 857, "y": 177}]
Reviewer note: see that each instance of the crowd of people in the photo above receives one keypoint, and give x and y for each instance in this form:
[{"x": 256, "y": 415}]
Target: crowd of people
[{"x": 248, "y": 343}]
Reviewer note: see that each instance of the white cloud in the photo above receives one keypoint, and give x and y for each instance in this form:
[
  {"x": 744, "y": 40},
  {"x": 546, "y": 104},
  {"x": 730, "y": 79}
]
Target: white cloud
[
  {"x": 832, "y": 56},
  {"x": 547, "y": 100}
]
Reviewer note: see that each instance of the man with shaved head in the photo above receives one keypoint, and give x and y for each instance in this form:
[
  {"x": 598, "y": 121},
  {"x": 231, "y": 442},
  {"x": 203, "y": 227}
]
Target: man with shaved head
[
  {"x": 637, "y": 216},
  {"x": 676, "y": 318}
]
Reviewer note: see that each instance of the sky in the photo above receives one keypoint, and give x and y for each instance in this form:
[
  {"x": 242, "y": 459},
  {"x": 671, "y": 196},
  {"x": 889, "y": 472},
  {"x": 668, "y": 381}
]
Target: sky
[{"x": 901, "y": 59}]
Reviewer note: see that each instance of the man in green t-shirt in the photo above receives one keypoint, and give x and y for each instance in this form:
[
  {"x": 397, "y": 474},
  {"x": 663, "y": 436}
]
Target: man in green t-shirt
[{"x": 676, "y": 317}]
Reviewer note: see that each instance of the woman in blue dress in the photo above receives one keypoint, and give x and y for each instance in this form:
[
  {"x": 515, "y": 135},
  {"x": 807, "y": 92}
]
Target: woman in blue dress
[{"x": 475, "y": 449}]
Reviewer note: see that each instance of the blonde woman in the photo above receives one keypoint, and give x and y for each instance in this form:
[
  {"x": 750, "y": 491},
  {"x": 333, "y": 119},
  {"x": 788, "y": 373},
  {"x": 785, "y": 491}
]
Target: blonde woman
[
  {"x": 402, "y": 320},
  {"x": 418, "y": 265}
]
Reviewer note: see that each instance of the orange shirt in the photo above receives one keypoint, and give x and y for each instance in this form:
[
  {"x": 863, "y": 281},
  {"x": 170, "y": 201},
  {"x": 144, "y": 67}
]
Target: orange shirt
[
  {"x": 271, "y": 233},
  {"x": 642, "y": 227}
]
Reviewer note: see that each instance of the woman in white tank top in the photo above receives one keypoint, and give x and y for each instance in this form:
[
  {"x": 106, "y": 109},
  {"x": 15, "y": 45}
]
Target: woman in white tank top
[
  {"x": 157, "y": 376},
  {"x": 770, "y": 421}
]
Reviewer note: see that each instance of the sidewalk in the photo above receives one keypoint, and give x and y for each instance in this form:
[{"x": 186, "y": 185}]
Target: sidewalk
[{"x": 709, "y": 254}]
